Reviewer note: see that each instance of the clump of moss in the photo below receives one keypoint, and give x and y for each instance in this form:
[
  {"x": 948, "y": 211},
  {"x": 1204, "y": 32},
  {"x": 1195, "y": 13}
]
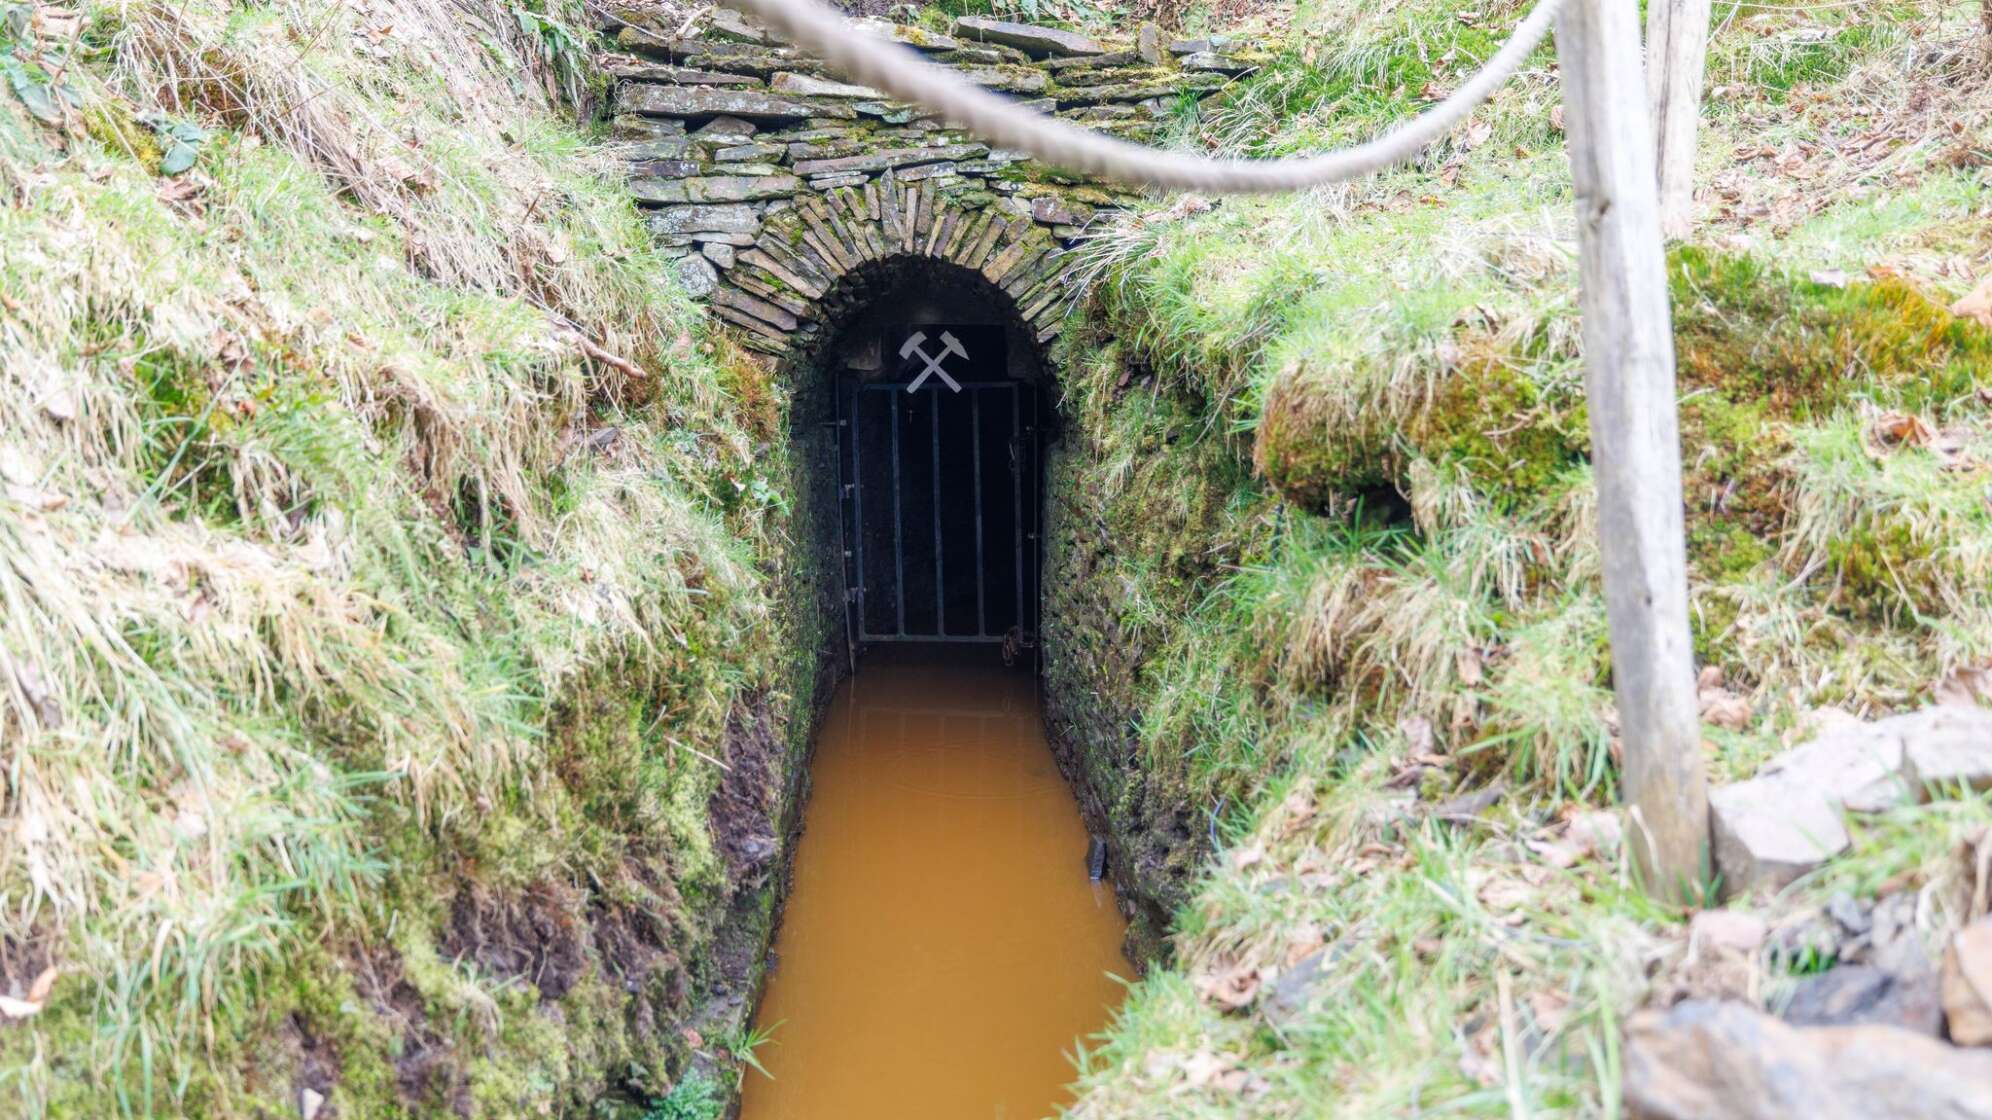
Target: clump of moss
[
  {"x": 1309, "y": 450},
  {"x": 1803, "y": 348},
  {"x": 1494, "y": 422}
]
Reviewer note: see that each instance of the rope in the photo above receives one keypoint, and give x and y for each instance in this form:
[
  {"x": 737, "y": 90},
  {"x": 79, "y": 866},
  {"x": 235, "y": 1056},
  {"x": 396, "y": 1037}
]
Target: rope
[{"x": 902, "y": 73}]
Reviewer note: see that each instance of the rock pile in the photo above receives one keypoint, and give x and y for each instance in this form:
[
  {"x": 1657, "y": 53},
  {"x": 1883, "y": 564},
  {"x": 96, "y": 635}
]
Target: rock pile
[
  {"x": 1789, "y": 818},
  {"x": 770, "y": 179}
]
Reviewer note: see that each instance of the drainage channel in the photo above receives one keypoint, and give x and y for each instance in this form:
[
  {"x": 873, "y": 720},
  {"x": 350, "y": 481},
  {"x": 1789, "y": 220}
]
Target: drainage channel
[{"x": 943, "y": 949}]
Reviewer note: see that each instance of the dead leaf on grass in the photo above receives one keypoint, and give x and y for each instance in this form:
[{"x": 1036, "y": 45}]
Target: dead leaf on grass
[
  {"x": 1901, "y": 429},
  {"x": 1228, "y": 984},
  {"x": 1966, "y": 686},
  {"x": 1724, "y": 708},
  {"x": 1976, "y": 304}
]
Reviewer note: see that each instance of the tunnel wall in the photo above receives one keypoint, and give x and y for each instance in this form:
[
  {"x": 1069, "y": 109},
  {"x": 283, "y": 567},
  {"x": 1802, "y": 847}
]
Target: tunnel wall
[
  {"x": 789, "y": 200},
  {"x": 769, "y": 179}
]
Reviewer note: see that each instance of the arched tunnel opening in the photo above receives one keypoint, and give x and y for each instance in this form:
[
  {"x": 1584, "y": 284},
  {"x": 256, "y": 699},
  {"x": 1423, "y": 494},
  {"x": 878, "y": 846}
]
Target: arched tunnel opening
[
  {"x": 938, "y": 397},
  {"x": 946, "y": 932}
]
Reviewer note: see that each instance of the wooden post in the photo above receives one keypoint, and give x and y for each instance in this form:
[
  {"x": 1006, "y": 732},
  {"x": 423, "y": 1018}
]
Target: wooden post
[
  {"x": 1635, "y": 437},
  {"x": 1676, "y": 59}
]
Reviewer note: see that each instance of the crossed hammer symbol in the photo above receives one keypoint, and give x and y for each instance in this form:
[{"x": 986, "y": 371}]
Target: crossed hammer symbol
[{"x": 949, "y": 345}]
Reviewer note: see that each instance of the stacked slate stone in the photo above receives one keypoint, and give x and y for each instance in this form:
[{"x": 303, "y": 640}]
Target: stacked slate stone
[{"x": 769, "y": 180}]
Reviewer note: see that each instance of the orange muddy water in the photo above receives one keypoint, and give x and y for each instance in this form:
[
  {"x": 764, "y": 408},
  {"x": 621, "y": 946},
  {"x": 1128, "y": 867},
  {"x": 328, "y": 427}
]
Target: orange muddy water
[{"x": 942, "y": 950}]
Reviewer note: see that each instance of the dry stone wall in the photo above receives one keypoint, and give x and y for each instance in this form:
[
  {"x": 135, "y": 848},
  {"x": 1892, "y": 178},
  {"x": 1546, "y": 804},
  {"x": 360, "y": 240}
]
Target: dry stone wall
[{"x": 770, "y": 180}]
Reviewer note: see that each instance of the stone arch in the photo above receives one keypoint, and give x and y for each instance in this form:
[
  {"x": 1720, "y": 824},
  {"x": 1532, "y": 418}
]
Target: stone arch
[
  {"x": 770, "y": 180},
  {"x": 786, "y": 289}
]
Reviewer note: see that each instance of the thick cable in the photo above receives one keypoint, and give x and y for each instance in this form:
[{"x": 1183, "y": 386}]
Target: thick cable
[{"x": 873, "y": 62}]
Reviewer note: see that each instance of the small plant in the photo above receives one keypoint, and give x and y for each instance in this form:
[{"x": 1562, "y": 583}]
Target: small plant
[
  {"x": 743, "y": 1042},
  {"x": 695, "y": 1097},
  {"x": 179, "y": 142},
  {"x": 35, "y": 75},
  {"x": 564, "y": 52}
]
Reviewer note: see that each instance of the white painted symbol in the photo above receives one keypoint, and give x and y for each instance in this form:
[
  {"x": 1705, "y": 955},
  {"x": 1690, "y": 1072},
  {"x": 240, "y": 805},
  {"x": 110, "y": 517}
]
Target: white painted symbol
[{"x": 949, "y": 345}]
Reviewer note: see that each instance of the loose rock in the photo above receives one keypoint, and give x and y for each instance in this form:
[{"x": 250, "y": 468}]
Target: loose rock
[
  {"x": 1705, "y": 1060},
  {"x": 1967, "y": 984},
  {"x": 1038, "y": 42},
  {"x": 1945, "y": 748},
  {"x": 1769, "y": 831},
  {"x": 1853, "y": 994},
  {"x": 1728, "y": 929},
  {"x": 697, "y": 275}
]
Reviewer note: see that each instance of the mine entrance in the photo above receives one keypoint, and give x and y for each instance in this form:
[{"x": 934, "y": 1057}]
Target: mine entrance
[{"x": 940, "y": 486}]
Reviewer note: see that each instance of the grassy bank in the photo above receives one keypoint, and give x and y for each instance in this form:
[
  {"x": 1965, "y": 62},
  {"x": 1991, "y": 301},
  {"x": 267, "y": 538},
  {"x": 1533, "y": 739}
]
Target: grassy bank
[
  {"x": 1329, "y": 477},
  {"x": 390, "y": 561}
]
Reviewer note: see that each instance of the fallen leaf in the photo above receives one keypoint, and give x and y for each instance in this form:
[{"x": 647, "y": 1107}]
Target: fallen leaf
[
  {"x": 1469, "y": 665},
  {"x": 1597, "y": 831},
  {"x": 1560, "y": 855},
  {"x": 1504, "y": 894},
  {"x": 35, "y": 498},
  {"x": 1966, "y": 686},
  {"x": 12, "y": 1008},
  {"x": 1417, "y": 731},
  {"x": 45, "y": 980},
  {"x": 1976, "y": 304},
  {"x": 1230, "y": 985},
  {"x": 1549, "y": 1009},
  {"x": 1902, "y": 429},
  {"x": 1724, "y": 708}
]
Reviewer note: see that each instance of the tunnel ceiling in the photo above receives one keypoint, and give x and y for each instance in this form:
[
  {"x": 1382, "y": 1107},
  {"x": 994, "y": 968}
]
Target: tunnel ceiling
[{"x": 779, "y": 189}]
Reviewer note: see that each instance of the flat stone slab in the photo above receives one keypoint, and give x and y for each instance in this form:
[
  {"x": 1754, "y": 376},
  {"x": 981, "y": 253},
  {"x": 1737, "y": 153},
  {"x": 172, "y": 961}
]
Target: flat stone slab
[
  {"x": 1769, "y": 831},
  {"x": 632, "y": 69},
  {"x": 1039, "y": 42},
  {"x": 1005, "y": 81},
  {"x": 1858, "y": 767},
  {"x": 714, "y": 188},
  {"x": 803, "y": 85},
  {"x": 710, "y": 101},
  {"x": 1852, "y": 994},
  {"x": 730, "y": 218},
  {"x": 672, "y": 147},
  {"x": 1945, "y": 748},
  {"x": 898, "y": 157},
  {"x": 915, "y": 37}
]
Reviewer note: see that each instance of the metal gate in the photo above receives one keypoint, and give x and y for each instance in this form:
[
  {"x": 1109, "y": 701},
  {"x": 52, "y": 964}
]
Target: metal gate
[{"x": 941, "y": 502}]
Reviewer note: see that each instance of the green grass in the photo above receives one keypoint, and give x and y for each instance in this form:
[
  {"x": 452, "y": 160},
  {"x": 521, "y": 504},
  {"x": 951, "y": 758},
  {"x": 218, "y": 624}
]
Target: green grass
[
  {"x": 697, "y": 1097},
  {"x": 333, "y": 621},
  {"x": 1339, "y": 447}
]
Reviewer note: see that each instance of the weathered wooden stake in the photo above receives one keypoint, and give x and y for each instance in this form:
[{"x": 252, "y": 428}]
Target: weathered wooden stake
[
  {"x": 1676, "y": 58},
  {"x": 1635, "y": 437}
]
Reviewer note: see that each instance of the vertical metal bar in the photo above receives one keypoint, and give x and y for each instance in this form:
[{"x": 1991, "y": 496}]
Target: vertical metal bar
[
  {"x": 840, "y": 432},
  {"x": 940, "y": 564},
  {"x": 1017, "y": 494},
  {"x": 975, "y": 441},
  {"x": 898, "y": 551},
  {"x": 858, "y": 494}
]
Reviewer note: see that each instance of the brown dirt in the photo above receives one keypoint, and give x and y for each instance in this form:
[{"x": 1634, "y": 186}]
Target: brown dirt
[
  {"x": 637, "y": 945},
  {"x": 743, "y": 809},
  {"x": 22, "y": 960},
  {"x": 534, "y": 936},
  {"x": 427, "y": 1071},
  {"x": 316, "y": 1060}
]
